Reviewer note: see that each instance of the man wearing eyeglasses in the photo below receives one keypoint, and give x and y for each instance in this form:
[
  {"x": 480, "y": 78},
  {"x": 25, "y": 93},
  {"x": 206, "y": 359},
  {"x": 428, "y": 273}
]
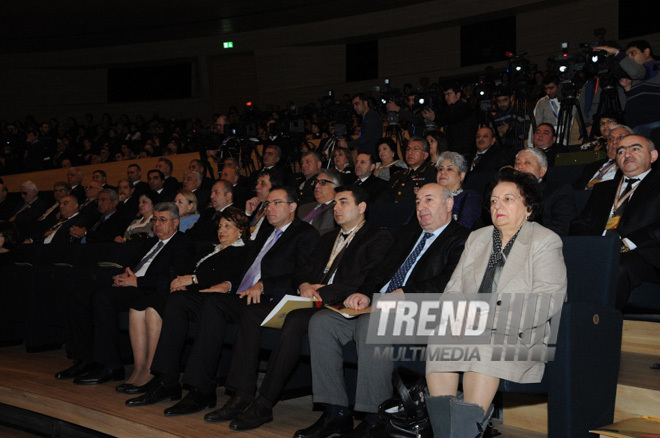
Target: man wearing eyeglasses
[
  {"x": 282, "y": 247},
  {"x": 93, "y": 314},
  {"x": 107, "y": 225},
  {"x": 319, "y": 214},
  {"x": 405, "y": 183},
  {"x": 627, "y": 207}
]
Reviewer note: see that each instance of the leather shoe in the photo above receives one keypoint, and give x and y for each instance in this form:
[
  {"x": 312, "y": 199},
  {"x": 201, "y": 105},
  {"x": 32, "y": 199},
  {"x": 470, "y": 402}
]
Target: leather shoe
[
  {"x": 78, "y": 368},
  {"x": 234, "y": 407},
  {"x": 256, "y": 415},
  {"x": 194, "y": 401},
  {"x": 326, "y": 426},
  {"x": 156, "y": 394},
  {"x": 100, "y": 375},
  {"x": 366, "y": 430},
  {"x": 123, "y": 387},
  {"x": 142, "y": 388}
]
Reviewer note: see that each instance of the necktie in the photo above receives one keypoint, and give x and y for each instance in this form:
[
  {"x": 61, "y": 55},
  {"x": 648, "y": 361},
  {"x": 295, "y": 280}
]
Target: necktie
[
  {"x": 49, "y": 211},
  {"x": 150, "y": 255},
  {"x": 476, "y": 160},
  {"x": 629, "y": 186},
  {"x": 358, "y": 182},
  {"x": 313, "y": 214},
  {"x": 400, "y": 275},
  {"x": 255, "y": 269}
]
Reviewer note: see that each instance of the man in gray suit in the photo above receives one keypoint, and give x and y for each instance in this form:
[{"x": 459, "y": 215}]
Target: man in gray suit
[{"x": 319, "y": 214}]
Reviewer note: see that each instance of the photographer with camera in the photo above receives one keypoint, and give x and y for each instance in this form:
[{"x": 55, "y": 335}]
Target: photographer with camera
[
  {"x": 511, "y": 122},
  {"x": 414, "y": 122},
  {"x": 458, "y": 118},
  {"x": 642, "y": 110}
]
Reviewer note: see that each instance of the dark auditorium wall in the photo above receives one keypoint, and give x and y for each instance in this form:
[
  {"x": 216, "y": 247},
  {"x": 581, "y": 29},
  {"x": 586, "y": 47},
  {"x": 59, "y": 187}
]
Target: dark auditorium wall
[{"x": 298, "y": 62}]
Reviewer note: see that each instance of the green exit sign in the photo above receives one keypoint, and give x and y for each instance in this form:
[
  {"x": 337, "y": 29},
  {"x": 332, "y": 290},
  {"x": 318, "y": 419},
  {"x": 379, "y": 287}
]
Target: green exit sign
[{"x": 228, "y": 45}]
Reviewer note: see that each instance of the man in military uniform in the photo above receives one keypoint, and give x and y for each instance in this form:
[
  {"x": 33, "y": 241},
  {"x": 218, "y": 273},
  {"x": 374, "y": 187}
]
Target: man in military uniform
[{"x": 405, "y": 184}]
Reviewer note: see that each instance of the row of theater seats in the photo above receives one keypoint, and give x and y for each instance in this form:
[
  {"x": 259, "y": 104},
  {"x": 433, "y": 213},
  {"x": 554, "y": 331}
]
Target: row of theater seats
[{"x": 580, "y": 382}]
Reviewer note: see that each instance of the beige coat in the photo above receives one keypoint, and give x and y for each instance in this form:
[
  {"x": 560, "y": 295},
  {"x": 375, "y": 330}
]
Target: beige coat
[{"x": 535, "y": 264}]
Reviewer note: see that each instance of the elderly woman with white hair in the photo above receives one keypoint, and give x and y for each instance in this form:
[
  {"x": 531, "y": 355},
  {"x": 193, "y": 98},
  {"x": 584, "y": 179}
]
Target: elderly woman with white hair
[{"x": 468, "y": 206}]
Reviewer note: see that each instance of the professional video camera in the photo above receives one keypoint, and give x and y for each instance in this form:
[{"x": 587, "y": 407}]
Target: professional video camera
[
  {"x": 429, "y": 96},
  {"x": 599, "y": 64},
  {"x": 519, "y": 69},
  {"x": 567, "y": 67}
]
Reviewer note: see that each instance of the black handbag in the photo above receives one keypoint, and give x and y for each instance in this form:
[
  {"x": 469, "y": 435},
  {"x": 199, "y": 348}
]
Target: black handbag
[{"x": 404, "y": 415}]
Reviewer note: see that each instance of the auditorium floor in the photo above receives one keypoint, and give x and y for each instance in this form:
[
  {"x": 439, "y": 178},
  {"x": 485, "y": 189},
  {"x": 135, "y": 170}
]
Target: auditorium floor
[{"x": 28, "y": 383}]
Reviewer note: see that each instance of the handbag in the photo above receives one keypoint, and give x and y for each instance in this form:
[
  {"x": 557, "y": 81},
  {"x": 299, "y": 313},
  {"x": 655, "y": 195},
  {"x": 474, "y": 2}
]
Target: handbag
[{"x": 404, "y": 415}]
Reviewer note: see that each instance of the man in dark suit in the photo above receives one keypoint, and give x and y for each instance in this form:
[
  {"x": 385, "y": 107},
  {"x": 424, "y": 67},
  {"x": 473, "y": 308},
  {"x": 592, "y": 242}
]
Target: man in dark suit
[
  {"x": 319, "y": 213},
  {"x": 337, "y": 267},
  {"x": 109, "y": 225},
  {"x": 488, "y": 157},
  {"x": 29, "y": 211},
  {"x": 170, "y": 184},
  {"x": 422, "y": 260},
  {"x": 161, "y": 258},
  {"x": 58, "y": 231},
  {"x": 134, "y": 175},
  {"x": 89, "y": 207},
  {"x": 559, "y": 208},
  {"x": 628, "y": 207},
  {"x": 605, "y": 169},
  {"x": 156, "y": 181},
  {"x": 128, "y": 202},
  {"x": 364, "y": 169},
  {"x": 405, "y": 184},
  {"x": 74, "y": 177},
  {"x": 193, "y": 181},
  {"x": 200, "y": 167},
  {"x": 205, "y": 229},
  {"x": 7, "y": 207},
  {"x": 102, "y": 178},
  {"x": 240, "y": 189},
  {"x": 280, "y": 250},
  {"x": 544, "y": 138},
  {"x": 310, "y": 164}
]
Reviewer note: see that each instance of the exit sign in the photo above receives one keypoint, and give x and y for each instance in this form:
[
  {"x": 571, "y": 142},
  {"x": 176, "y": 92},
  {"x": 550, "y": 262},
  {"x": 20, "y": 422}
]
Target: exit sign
[{"x": 228, "y": 45}]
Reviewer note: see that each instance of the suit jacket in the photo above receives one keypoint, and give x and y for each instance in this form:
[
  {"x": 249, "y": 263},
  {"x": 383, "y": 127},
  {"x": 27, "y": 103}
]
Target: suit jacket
[
  {"x": 491, "y": 160},
  {"x": 434, "y": 268},
  {"x": 171, "y": 185},
  {"x": 374, "y": 186},
  {"x": 364, "y": 253},
  {"x": 535, "y": 264},
  {"x": 110, "y": 228},
  {"x": 79, "y": 193},
  {"x": 223, "y": 266},
  {"x": 129, "y": 209},
  {"x": 32, "y": 212},
  {"x": 588, "y": 173},
  {"x": 640, "y": 221},
  {"x": 205, "y": 228},
  {"x": 305, "y": 188},
  {"x": 175, "y": 258},
  {"x": 62, "y": 235},
  {"x": 288, "y": 255},
  {"x": 559, "y": 208},
  {"x": 325, "y": 221}
]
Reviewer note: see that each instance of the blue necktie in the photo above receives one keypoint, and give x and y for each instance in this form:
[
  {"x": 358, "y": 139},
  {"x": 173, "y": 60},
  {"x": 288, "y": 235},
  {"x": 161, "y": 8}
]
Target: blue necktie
[
  {"x": 400, "y": 275},
  {"x": 149, "y": 256},
  {"x": 255, "y": 268}
]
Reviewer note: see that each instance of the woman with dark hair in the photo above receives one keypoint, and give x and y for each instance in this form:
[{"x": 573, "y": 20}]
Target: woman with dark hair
[
  {"x": 389, "y": 160},
  {"x": 437, "y": 145},
  {"x": 452, "y": 168},
  {"x": 141, "y": 227},
  {"x": 214, "y": 272},
  {"x": 514, "y": 256},
  {"x": 8, "y": 242}
]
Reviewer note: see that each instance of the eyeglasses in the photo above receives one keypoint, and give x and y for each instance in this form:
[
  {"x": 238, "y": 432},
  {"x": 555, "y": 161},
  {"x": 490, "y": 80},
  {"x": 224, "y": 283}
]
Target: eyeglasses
[
  {"x": 276, "y": 203},
  {"x": 323, "y": 182},
  {"x": 415, "y": 149},
  {"x": 159, "y": 219}
]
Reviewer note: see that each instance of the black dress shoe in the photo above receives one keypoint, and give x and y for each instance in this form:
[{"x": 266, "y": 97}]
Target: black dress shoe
[
  {"x": 100, "y": 375},
  {"x": 156, "y": 394},
  {"x": 256, "y": 415},
  {"x": 326, "y": 426},
  {"x": 367, "y": 430},
  {"x": 142, "y": 388},
  {"x": 78, "y": 368},
  {"x": 123, "y": 387},
  {"x": 194, "y": 401},
  {"x": 234, "y": 407}
]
